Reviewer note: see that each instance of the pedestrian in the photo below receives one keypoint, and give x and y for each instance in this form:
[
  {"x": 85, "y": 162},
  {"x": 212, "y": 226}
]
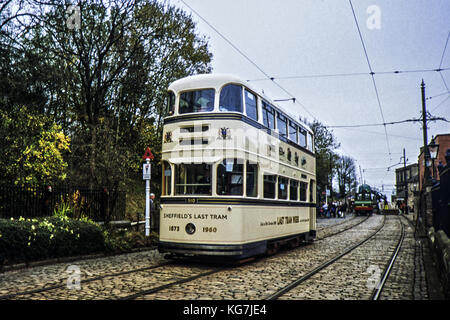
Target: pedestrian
[
  {"x": 333, "y": 209},
  {"x": 325, "y": 209},
  {"x": 152, "y": 204}
]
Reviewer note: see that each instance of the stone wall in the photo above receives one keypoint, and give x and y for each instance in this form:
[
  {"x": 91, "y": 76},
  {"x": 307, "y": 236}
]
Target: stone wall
[{"x": 440, "y": 244}]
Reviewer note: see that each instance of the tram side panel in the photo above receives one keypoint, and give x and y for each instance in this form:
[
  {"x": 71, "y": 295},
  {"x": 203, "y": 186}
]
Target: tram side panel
[{"x": 201, "y": 230}]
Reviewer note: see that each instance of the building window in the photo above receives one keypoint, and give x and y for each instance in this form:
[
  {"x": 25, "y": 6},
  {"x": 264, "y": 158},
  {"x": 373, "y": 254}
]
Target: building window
[
  {"x": 197, "y": 101},
  {"x": 193, "y": 179},
  {"x": 282, "y": 187},
  {"x": 230, "y": 177},
  {"x": 303, "y": 190},
  {"x": 252, "y": 179},
  {"x": 231, "y": 98},
  {"x": 269, "y": 186},
  {"x": 293, "y": 190},
  {"x": 251, "y": 106}
]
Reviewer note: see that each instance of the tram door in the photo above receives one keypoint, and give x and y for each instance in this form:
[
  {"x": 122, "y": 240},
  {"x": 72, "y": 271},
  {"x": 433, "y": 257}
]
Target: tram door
[{"x": 312, "y": 208}]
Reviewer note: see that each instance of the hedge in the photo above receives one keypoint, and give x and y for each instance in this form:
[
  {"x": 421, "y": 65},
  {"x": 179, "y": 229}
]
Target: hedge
[{"x": 24, "y": 240}]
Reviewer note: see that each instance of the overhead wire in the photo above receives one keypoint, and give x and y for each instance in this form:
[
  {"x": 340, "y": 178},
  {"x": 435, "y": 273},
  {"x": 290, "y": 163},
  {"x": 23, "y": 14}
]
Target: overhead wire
[
  {"x": 310, "y": 76},
  {"x": 442, "y": 60},
  {"x": 295, "y": 100},
  {"x": 373, "y": 78},
  {"x": 372, "y": 73}
]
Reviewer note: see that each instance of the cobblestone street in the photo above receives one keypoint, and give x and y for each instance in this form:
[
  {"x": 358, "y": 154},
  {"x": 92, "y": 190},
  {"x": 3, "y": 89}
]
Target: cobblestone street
[{"x": 352, "y": 277}]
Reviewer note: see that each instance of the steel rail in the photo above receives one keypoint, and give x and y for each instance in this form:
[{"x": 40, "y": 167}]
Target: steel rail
[
  {"x": 171, "y": 284},
  {"x": 58, "y": 286},
  {"x": 379, "y": 288},
  {"x": 341, "y": 231}
]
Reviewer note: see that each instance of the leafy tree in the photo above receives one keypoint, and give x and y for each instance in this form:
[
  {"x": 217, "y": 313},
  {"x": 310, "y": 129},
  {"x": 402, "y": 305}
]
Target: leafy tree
[
  {"x": 103, "y": 83},
  {"x": 326, "y": 159},
  {"x": 346, "y": 174},
  {"x": 33, "y": 148}
]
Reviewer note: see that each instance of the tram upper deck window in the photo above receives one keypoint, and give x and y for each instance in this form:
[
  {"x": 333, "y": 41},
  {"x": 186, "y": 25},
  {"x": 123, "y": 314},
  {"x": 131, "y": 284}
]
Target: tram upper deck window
[
  {"x": 197, "y": 101},
  {"x": 193, "y": 179},
  {"x": 268, "y": 116},
  {"x": 269, "y": 185},
  {"x": 310, "y": 144},
  {"x": 250, "y": 105},
  {"x": 231, "y": 98},
  {"x": 293, "y": 132},
  {"x": 170, "y": 103},
  {"x": 230, "y": 177},
  {"x": 302, "y": 137},
  {"x": 282, "y": 125}
]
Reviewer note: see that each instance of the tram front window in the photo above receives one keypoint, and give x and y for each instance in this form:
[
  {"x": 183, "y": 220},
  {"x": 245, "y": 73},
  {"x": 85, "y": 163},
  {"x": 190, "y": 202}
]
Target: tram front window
[
  {"x": 197, "y": 101},
  {"x": 193, "y": 179},
  {"x": 231, "y": 98},
  {"x": 170, "y": 103},
  {"x": 229, "y": 177}
]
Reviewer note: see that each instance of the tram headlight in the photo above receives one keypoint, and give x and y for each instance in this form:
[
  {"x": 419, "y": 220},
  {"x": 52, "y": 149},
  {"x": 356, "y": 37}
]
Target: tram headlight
[{"x": 190, "y": 228}]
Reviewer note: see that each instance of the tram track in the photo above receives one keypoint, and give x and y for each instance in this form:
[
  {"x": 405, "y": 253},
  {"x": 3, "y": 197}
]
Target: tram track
[
  {"x": 319, "y": 281},
  {"x": 339, "y": 231},
  {"x": 167, "y": 278},
  {"x": 322, "y": 266},
  {"x": 379, "y": 288}
]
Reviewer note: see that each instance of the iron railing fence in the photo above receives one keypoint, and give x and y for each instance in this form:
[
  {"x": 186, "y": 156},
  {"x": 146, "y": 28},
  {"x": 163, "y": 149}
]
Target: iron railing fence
[{"x": 98, "y": 204}]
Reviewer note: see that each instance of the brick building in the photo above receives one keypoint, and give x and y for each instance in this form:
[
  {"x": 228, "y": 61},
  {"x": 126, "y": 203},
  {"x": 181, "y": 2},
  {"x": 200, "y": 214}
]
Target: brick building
[
  {"x": 443, "y": 140},
  {"x": 407, "y": 180}
]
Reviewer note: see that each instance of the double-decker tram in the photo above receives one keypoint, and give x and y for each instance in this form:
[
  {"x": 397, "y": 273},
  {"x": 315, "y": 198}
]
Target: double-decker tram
[{"x": 238, "y": 172}]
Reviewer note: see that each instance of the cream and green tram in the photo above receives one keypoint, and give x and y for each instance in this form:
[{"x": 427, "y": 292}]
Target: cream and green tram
[{"x": 238, "y": 172}]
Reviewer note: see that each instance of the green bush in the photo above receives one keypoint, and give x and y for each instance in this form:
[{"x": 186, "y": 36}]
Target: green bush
[{"x": 23, "y": 240}]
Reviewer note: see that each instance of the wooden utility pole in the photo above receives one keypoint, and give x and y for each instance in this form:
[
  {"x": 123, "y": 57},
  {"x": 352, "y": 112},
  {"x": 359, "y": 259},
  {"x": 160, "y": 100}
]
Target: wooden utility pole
[
  {"x": 424, "y": 196},
  {"x": 406, "y": 180}
]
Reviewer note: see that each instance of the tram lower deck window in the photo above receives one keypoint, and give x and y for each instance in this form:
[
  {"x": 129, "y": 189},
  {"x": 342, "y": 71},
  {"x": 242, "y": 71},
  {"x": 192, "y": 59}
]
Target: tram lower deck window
[
  {"x": 193, "y": 179},
  {"x": 293, "y": 191},
  {"x": 269, "y": 186},
  {"x": 230, "y": 177},
  {"x": 252, "y": 179},
  {"x": 303, "y": 190},
  {"x": 282, "y": 188}
]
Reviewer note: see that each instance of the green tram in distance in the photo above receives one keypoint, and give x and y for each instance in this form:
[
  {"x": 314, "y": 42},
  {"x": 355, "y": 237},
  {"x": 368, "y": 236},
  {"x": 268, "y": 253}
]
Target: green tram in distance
[{"x": 366, "y": 201}]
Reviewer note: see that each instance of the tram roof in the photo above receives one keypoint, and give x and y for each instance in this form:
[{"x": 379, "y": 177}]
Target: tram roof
[{"x": 218, "y": 80}]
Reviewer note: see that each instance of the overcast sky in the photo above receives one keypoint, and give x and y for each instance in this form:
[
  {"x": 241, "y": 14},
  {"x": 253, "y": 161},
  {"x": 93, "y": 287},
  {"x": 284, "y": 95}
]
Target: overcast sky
[{"x": 298, "y": 38}]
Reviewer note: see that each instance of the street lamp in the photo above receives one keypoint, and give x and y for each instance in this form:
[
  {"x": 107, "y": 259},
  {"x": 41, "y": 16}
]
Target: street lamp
[{"x": 434, "y": 149}]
